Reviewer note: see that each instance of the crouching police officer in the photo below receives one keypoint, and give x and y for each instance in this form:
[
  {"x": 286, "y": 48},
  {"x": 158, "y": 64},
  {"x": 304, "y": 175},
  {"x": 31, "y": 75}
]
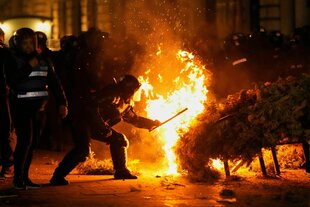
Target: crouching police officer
[
  {"x": 27, "y": 99},
  {"x": 106, "y": 108}
]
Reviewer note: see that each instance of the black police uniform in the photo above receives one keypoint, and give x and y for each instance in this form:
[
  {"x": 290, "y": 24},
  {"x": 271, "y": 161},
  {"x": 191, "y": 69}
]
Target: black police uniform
[
  {"x": 27, "y": 99},
  {"x": 85, "y": 78},
  {"x": 9, "y": 75},
  {"x": 94, "y": 117},
  {"x": 114, "y": 105}
]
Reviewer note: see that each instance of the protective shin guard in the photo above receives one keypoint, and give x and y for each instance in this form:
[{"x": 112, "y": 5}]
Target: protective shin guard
[{"x": 119, "y": 157}]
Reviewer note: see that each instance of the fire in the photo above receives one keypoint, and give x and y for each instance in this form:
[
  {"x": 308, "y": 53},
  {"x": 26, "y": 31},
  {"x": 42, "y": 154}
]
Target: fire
[
  {"x": 189, "y": 91},
  {"x": 217, "y": 164}
]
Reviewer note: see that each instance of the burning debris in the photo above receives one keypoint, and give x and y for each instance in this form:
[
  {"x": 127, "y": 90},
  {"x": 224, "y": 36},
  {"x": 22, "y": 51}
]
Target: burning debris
[
  {"x": 169, "y": 183},
  {"x": 258, "y": 118},
  {"x": 93, "y": 166}
]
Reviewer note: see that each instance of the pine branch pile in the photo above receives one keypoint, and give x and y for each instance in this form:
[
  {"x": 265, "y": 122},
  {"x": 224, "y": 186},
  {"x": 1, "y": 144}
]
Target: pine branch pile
[{"x": 247, "y": 121}]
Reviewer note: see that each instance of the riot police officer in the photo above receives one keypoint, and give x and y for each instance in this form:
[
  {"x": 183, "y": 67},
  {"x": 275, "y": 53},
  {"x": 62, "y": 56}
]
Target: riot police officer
[
  {"x": 9, "y": 75},
  {"x": 95, "y": 119},
  {"x": 115, "y": 104},
  {"x": 85, "y": 77},
  {"x": 28, "y": 98},
  {"x": 42, "y": 44}
]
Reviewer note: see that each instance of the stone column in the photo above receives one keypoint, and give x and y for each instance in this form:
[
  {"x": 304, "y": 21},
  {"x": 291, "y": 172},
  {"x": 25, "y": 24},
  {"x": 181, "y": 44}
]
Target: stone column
[
  {"x": 55, "y": 20},
  {"x": 84, "y": 15},
  {"x": 117, "y": 17},
  {"x": 103, "y": 20},
  {"x": 92, "y": 13},
  {"x": 302, "y": 13},
  {"x": 76, "y": 17},
  {"x": 68, "y": 17},
  {"x": 287, "y": 16},
  {"x": 225, "y": 18}
]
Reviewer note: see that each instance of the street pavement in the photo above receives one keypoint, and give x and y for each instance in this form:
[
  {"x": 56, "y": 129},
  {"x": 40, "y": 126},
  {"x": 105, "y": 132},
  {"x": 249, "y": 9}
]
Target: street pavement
[
  {"x": 103, "y": 190},
  {"x": 150, "y": 190}
]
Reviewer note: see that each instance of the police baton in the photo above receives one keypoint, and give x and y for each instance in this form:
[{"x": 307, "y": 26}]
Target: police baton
[{"x": 164, "y": 122}]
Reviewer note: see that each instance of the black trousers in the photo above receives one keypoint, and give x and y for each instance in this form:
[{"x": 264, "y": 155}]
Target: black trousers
[
  {"x": 25, "y": 114},
  {"x": 81, "y": 135},
  {"x": 7, "y": 138},
  {"x": 86, "y": 124}
]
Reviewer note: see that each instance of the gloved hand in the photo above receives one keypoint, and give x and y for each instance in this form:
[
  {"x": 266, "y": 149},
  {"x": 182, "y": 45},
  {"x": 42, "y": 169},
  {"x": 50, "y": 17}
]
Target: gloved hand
[
  {"x": 63, "y": 111},
  {"x": 156, "y": 123}
]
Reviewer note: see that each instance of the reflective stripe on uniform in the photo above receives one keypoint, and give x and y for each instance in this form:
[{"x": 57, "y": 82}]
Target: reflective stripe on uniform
[
  {"x": 38, "y": 73},
  {"x": 33, "y": 94}
]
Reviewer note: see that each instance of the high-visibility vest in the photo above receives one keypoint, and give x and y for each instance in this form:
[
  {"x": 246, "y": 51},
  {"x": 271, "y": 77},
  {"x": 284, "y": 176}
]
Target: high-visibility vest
[{"x": 36, "y": 86}]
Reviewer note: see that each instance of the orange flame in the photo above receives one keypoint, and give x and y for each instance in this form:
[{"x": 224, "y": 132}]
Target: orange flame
[
  {"x": 217, "y": 164},
  {"x": 189, "y": 91}
]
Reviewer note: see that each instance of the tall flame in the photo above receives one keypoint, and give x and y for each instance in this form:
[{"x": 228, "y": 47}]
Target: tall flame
[{"x": 189, "y": 91}]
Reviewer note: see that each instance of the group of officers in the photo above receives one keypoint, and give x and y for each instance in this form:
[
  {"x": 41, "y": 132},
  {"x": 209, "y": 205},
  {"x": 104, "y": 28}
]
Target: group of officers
[{"x": 29, "y": 77}]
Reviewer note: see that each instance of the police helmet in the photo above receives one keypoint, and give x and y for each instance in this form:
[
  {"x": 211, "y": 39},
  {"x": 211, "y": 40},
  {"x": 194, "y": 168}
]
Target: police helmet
[
  {"x": 234, "y": 40},
  {"x": 68, "y": 42},
  {"x": 129, "y": 84},
  {"x": 276, "y": 38},
  {"x": 92, "y": 39},
  {"x": 20, "y": 35},
  {"x": 42, "y": 38}
]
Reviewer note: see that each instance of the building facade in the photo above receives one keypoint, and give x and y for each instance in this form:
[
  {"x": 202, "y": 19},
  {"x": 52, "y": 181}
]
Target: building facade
[{"x": 221, "y": 17}]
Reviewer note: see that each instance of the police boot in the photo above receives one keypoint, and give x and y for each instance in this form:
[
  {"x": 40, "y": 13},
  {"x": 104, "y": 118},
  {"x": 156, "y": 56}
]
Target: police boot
[{"x": 119, "y": 155}]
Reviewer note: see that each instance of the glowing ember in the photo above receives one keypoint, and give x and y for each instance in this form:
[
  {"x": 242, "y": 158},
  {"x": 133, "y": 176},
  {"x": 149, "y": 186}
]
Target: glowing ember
[{"x": 189, "y": 91}]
